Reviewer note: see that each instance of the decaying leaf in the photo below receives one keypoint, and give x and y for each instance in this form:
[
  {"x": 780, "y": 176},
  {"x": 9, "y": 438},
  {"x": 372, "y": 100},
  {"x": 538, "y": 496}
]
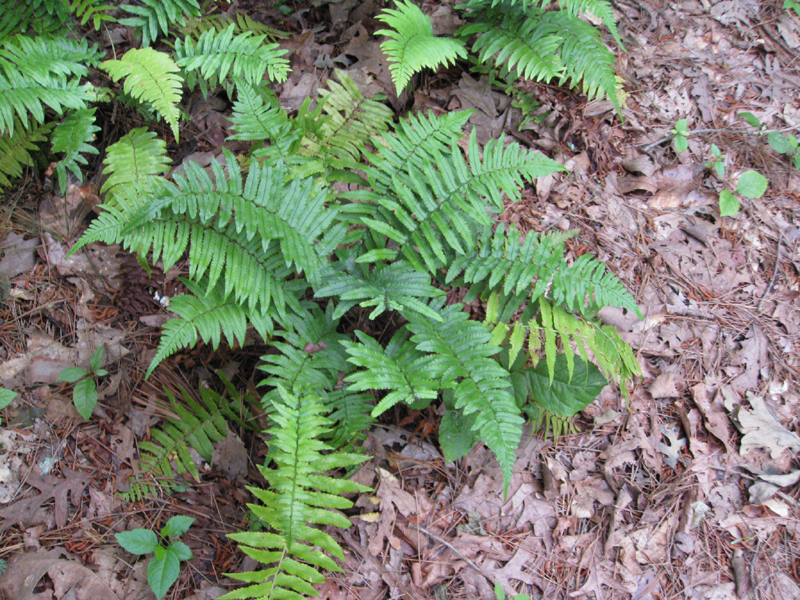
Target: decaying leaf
[{"x": 762, "y": 430}]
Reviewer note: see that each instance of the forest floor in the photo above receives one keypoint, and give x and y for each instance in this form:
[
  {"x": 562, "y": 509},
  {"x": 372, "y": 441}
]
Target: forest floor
[{"x": 689, "y": 489}]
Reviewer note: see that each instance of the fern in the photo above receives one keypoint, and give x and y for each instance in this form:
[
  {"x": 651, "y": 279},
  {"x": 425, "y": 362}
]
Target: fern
[
  {"x": 73, "y": 136},
  {"x": 195, "y": 426},
  {"x": 412, "y": 45},
  {"x": 42, "y": 58},
  {"x": 43, "y": 16},
  {"x": 299, "y": 497},
  {"x": 427, "y": 208},
  {"x": 92, "y": 10},
  {"x": 220, "y": 55},
  {"x": 463, "y": 359},
  {"x": 15, "y": 150},
  {"x": 135, "y": 160},
  {"x": 158, "y": 16},
  {"x": 152, "y": 77}
]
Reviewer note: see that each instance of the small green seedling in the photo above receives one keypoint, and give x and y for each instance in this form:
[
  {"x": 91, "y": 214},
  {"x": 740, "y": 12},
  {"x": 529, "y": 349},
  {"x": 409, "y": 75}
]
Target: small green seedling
[
  {"x": 501, "y": 594},
  {"x": 6, "y": 397},
  {"x": 165, "y": 565},
  {"x": 680, "y": 133},
  {"x": 84, "y": 394}
]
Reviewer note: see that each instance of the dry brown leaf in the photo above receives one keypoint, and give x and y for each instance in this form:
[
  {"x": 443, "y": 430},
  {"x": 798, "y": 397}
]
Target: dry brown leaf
[
  {"x": 30, "y": 511},
  {"x": 762, "y": 430}
]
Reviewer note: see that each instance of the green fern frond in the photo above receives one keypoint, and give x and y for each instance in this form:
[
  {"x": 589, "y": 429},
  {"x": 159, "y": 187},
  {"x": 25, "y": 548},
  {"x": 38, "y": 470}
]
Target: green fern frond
[
  {"x": 350, "y": 416},
  {"x": 197, "y": 425},
  {"x": 413, "y": 46},
  {"x": 22, "y": 95},
  {"x": 524, "y": 44},
  {"x": 535, "y": 264},
  {"x": 43, "y": 57},
  {"x": 401, "y": 368},
  {"x": 349, "y": 121},
  {"x": 462, "y": 356},
  {"x": 434, "y": 206},
  {"x": 587, "y": 61},
  {"x": 94, "y": 11},
  {"x": 208, "y": 316},
  {"x": 299, "y": 498},
  {"x": 245, "y": 57},
  {"x": 137, "y": 159},
  {"x": 157, "y": 16},
  {"x": 396, "y": 286},
  {"x": 15, "y": 150},
  {"x": 196, "y": 26},
  {"x": 152, "y": 77},
  {"x": 74, "y": 136},
  {"x": 601, "y": 9},
  {"x": 43, "y": 16}
]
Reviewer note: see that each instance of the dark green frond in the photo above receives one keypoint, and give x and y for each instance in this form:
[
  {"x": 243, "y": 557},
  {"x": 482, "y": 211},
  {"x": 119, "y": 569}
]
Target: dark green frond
[
  {"x": 462, "y": 356},
  {"x": 154, "y": 17},
  {"x": 74, "y": 136},
  {"x": 15, "y": 150},
  {"x": 95, "y": 11},
  {"x": 243, "y": 56}
]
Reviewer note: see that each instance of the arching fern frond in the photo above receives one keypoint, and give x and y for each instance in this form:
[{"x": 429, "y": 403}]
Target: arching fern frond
[
  {"x": 299, "y": 498},
  {"x": 23, "y": 95},
  {"x": 412, "y": 45},
  {"x": 73, "y": 136},
  {"x": 463, "y": 358},
  {"x": 92, "y": 10},
  {"x": 43, "y": 57},
  {"x": 535, "y": 265},
  {"x": 599, "y": 8},
  {"x": 432, "y": 207},
  {"x": 137, "y": 159},
  {"x": 154, "y": 16},
  {"x": 152, "y": 77},
  {"x": 15, "y": 150},
  {"x": 43, "y": 16},
  {"x": 218, "y": 55}
]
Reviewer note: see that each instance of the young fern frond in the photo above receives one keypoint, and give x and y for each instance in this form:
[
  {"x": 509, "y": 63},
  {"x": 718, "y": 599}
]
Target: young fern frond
[
  {"x": 158, "y": 16},
  {"x": 137, "y": 159},
  {"x": 412, "y": 45},
  {"x": 220, "y": 55},
  {"x": 152, "y": 77},
  {"x": 15, "y": 150},
  {"x": 73, "y": 136},
  {"x": 299, "y": 498}
]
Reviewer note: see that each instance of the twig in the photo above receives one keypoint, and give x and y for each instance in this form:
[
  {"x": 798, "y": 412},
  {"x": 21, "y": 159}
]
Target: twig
[
  {"x": 774, "y": 274},
  {"x": 449, "y": 545}
]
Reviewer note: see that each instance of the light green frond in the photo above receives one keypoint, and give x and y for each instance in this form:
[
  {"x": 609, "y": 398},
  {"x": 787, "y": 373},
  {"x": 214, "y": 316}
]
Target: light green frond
[
  {"x": 15, "y": 150},
  {"x": 299, "y": 498},
  {"x": 74, "y": 136},
  {"x": 413, "y": 46},
  {"x": 95, "y": 11},
  {"x": 152, "y": 77},
  {"x": 244, "y": 56},
  {"x": 137, "y": 159}
]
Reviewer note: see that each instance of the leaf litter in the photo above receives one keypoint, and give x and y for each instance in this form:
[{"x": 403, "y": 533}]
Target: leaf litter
[{"x": 688, "y": 491}]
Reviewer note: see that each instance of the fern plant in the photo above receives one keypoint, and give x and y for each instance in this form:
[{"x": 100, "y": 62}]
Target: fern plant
[{"x": 520, "y": 37}]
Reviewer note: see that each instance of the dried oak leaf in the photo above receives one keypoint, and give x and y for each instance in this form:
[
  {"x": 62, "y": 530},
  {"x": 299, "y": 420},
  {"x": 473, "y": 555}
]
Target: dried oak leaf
[{"x": 29, "y": 511}]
